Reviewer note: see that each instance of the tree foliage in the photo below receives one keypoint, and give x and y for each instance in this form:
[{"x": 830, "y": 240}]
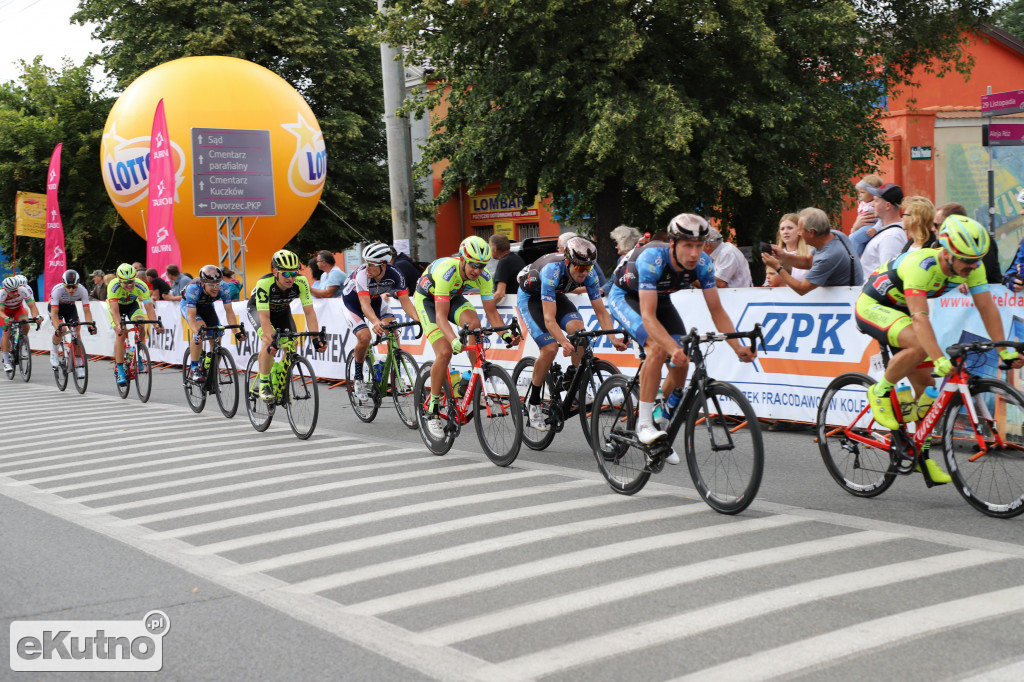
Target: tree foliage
[
  {"x": 1010, "y": 18},
  {"x": 628, "y": 109},
  {"x": 42, "y": 108},
  {"x": 309, "y": 43}
]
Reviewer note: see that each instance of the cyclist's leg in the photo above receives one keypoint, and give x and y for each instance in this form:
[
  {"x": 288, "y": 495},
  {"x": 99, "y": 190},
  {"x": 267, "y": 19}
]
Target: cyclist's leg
[
  {"x": 531, "y": 309},
  {"x": 570, "y": 320},
  {"x": 462, "y": 312},
  {"x": 890, "y": 327},
  {"x": 68, "y": 314},
  {"x": 441, "y": 346}
]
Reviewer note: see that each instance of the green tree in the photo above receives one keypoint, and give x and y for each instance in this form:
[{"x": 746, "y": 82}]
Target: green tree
[
  {"x": 42, "y": 108},
  {"x": 628, "y": 110},
  {"x": 309, "y": 43},
  {"x": 1010, "y": 18}
]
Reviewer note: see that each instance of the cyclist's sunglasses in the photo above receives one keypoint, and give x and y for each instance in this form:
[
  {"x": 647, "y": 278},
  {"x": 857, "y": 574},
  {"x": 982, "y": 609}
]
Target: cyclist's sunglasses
[
  {"x": 968, "y": 261},
  {"x": 474, "y": 264},
  {"x": 289, "y": 273},
  {"x": 581, "y": 268},
  {"x": 126, "y": 282}
]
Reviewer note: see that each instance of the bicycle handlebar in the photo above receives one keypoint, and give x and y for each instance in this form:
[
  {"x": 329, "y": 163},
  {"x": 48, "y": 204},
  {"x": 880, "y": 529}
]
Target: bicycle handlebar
[
  {"x": 753, "y": 336},
  {"x": 28, "y": 320},
  {"x": 71, "y": 325},
  {"x": 282, "y": 334},
  {"x": 465, "y": 331},
  {"x": 958, "y": 351},
  {"x": 392, "y": 326},
  {"x": 125, "y": 321},
  {"x": 577, "y": 338}
]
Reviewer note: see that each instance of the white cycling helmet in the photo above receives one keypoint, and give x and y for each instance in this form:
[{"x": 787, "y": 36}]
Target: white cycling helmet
[
  {"x": 11, "y": 283},
  {"x": 377, "y": 253}
]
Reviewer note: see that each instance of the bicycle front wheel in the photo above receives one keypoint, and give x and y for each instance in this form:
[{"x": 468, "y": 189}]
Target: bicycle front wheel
[
  {"x": 860, "y": 469},
  {"x": 225, "y": 379},
  {"x": 302, "y": 399},
  {"x": 598, "y": 372},
  {"x": 60, "y": 371},
  {"x": 621, "y": 458},
  {"x": 123, "y": 390},
  {"x": 441, "y": 444},
  {"x": 195, "y": 391},
  {"x": 79, "y": 366},
  {"x": 991, "y": 479},
  {"x": 403, "y": 385},
  {"x": 143, "y": 372},
  {"x": 260, "y": 413},
  {"x": 24, "y": 359},
  {"x": 522, "y": 377},
  {"x": 724, "y": 448},
  {"x": 498, "y": 416},
  {"x": 364, "y": 407}
]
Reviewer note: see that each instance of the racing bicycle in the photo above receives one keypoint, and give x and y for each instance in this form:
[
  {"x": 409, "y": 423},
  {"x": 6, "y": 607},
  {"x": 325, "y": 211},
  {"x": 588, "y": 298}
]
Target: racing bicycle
[
  {"x": 721, "y": 433},
  {"x": 293, "y": 382},
  {"x": 490, "y": 399},
  {"x": 137, "y": 366},
  {"x": 71, "y": 357},
  {"x": 218, "y": 373},
  {"x": 395, "y": 373},
  {"x": 21, "y": 352},
  {"x": 978, "y": 422}
]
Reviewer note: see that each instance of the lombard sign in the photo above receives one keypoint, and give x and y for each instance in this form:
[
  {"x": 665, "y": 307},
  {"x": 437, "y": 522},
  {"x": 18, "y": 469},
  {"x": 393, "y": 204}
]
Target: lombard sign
[{"x": 495, "y": 207}]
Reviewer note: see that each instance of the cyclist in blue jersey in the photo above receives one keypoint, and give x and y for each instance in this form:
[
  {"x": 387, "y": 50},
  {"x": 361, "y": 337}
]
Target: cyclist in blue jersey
[
  {"x": 546, "y": 311},
  {"x": 197, "y": 309},
  {"x": 639, "y": 301}
]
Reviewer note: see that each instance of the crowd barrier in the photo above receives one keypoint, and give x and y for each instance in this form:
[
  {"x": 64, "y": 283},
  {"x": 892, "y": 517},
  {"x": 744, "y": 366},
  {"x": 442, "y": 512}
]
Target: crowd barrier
[{"x": 809, "y": 340}]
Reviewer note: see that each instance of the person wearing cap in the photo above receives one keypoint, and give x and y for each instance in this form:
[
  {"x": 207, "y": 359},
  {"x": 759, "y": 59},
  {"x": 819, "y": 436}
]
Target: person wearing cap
[
  {"x": 731, "y": 266},
  {"x": 99, "y": 286},
  {"x": 832, "y": 264},
  {"x": 890, "y": 238}
]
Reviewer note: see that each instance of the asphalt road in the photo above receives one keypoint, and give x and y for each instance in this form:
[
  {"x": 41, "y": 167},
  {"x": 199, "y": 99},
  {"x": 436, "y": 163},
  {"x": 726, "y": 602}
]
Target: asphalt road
[{"x": 358, "y": 555}]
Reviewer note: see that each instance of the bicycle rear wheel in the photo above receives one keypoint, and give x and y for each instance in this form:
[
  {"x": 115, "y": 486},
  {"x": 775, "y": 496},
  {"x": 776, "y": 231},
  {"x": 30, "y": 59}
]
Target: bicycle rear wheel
[
  {"x": 590, "y": 381},
  {"x": 225, "y": 376},
  {"x": 993, "y": 483},
  {"x": 522, "y": 377},
  {"x": 24, "y": 359},
  {"x": 620, "y": 457},
  {"x": 498, "y": 416},
  {"x": 724, "y": 448},
  {"x": 195, "y": 391},
  {"x": 60, "y": 372},
  {"x": 860, "y": 469},
  {"x": 143, "y": 372},
  {"x": 302, "y": 399},
  {"x": 365, "y": 410},
  {"x": 437, "y": 446},
  {"x": 79, "y": 366},
  {"x": 403, "y": 385},
  {"x": 260, "y": 413}
]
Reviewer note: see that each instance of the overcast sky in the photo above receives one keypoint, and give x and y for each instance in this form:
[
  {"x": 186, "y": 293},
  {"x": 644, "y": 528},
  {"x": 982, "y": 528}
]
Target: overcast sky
[{"x": 41, "y": 27}]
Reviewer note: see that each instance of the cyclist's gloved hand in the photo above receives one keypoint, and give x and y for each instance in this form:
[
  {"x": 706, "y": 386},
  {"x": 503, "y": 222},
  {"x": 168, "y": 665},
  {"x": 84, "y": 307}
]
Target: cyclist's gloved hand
[
  {"x": 456, "y": 347},
  {"x": 507, "y": 338},
  {"x": 92, "y": 331},
  {"x": 1008, "y": 354},
  {"x": 239, "y": 336},
  {"x": 942, "y": 366}
]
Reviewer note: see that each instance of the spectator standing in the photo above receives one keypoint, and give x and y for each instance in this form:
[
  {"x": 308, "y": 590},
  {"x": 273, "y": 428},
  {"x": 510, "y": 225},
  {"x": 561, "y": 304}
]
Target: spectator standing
[
  {"x": 1014, "y": 277},
  {"x": 790, "y": 239},
  {"x": 866, "y": 224},
  {"x": 626, "y": 239},
  {"x": 407, "y": 266},
  {"x": 918, "y": 218},
  {"x": 314, "y": 272},
  {"x": 98, "y": 292},
  {"x": 731, "y": 266},
  {"x": 509, "y": 266},
  {"x": 178, "y": 283},
  {"x": 158, "y": 288},
  {"x": 832, "y": 264},
  {"x": 332, "y": 278},
  {"x": 890, "y": 238},
  {"x": 107, "y": 279},
  {"x": 139, "y": 267},
  {"x": 234, "y": 286}
]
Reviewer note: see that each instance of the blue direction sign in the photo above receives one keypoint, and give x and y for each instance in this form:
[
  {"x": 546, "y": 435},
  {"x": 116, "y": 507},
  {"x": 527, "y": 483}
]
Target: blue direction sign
[{"x": 232, "y": 173}]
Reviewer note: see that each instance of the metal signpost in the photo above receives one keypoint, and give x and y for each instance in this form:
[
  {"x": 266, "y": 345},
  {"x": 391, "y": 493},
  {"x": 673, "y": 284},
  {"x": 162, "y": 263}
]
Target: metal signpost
[
  {"x": 999, "y": 135},
  {"x": 232, "y": 178}
]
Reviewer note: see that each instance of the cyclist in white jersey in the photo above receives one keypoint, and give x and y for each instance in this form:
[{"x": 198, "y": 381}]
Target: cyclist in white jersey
[
  {"x": 13, "y": 297},
  {"x": 63, "y": 308}
]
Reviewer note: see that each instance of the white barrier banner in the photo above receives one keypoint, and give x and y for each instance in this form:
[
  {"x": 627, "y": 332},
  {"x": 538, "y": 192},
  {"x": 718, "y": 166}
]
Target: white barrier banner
[{"x": 809, "y": 340}]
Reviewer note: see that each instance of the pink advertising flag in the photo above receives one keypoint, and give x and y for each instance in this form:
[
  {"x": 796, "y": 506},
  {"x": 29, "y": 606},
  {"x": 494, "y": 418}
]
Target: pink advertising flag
[
  {"x": 161, "y": 243},
  {"x": 56, "y": 260}
]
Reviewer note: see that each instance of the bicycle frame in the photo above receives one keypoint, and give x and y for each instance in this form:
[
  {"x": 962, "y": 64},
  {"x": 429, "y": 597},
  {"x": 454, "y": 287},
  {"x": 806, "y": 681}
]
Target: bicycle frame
[
  {"x": 462, "y": 405},
  {"x": 391, "y": 338},
  {"x": 565, "y": 403}
]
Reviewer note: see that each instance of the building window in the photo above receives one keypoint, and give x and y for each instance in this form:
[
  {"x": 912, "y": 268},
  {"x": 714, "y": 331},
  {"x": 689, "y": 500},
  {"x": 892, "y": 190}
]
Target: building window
[
  {"x": 528, "y": 230},
  {"x": 484, "y": 231}
]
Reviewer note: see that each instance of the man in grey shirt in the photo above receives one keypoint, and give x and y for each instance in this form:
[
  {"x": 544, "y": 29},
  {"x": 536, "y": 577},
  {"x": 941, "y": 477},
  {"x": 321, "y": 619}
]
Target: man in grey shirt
[{"x": 833, "y": 263}]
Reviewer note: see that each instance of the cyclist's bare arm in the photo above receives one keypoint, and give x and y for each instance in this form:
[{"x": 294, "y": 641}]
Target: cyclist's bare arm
[
  {"x": 723, "y": 323},
  {"x": 922, "y": 326},
  {"x": 408, "y": 307}
]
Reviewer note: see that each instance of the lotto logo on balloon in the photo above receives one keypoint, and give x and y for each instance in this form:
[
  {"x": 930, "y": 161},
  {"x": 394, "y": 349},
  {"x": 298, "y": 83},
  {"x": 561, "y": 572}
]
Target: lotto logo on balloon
[
  {"x": 126, "y": 166},
  {"x": 308, "y": 165}
]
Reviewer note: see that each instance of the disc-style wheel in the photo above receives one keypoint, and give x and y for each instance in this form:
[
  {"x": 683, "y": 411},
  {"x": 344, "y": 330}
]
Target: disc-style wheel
[
  {"x": 522, "y": 377},
  {"x": 260, "y": 413},
  {"x": 195, "y": 391},
  {"x": 992, "y": 481},
  {"x": 79, "y": 367},
  {"x": 24, "y": 359},
  {"x": 724, "y": 448},
  {"x": 860, "y": 469},
  {"x": 620, "y": 457},
  {"x": 590, "y": 381},
  {"x": 60, "y": 372},
  {"x": 498, "y": 415},
  {"x": 364, "y": 408},
  {"x": 446, "y": 415},
  {"x": 302, "y": 397},
  {"x": 403, "y": 385},
  {"x": 226, "y": 380},
  {"x": 143, "y": 372}
]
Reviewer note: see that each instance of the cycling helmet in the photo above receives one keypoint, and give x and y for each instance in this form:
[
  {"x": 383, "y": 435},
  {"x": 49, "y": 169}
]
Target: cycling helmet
[
  {"x": 688, "y": 226},
  {"x": 475, "y": 249},
  {"x": 580, "y": 251},
  {"x": 22, "y": 280},
  {"x": 11, "y": 283},
  {"x": 209, "y": 274},
  {"x": 125, "y": 271},
  {"x": 377, "y": 253},
  {"x": 285, "y": 260},
  {"x": 964, "y": 237},
  {"x": 70, "y": 278}
]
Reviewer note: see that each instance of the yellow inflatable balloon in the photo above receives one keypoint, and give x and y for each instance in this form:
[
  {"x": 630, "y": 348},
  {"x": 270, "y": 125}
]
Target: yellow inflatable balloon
[{"x": 244, "y": 143}]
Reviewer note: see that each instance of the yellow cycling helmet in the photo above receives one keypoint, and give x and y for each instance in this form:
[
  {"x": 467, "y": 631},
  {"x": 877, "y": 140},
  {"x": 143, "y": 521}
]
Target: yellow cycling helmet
[
  {"x": 285, "y": 260},
  {"x": 475, "y": 249},
  {"x": 964, "y": 237},
  {"x": 126, "y": 271}
]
